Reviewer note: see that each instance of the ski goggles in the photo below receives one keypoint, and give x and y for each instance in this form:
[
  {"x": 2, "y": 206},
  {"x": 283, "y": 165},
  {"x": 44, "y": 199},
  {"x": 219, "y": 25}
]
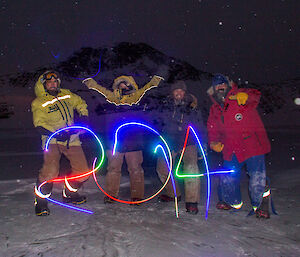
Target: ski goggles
[{"x": 50, "y": 75}]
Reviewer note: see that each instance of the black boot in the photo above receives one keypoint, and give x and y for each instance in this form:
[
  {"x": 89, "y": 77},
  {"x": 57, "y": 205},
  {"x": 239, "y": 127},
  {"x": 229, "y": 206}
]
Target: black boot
[
  {"x": 263, "y": 210},
  {"x": 73, "y": 197},
  {"x": 41, "y": 204},
  {"x": 166, "y": 198},
  {"x": 108, "y": 200},
  {"x": 192, "y": 208},
  {"x": 41, "y": 207}
]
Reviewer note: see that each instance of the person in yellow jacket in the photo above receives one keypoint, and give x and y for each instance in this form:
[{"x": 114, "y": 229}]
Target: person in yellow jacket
[
  {"x": 53, "y": 109},
  {"x": 125, "y": 98},
  {"x": 125, "y": 90}
]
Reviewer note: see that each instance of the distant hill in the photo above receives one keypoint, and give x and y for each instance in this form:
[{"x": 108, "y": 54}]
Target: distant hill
[{"x": 140, "y": 61}]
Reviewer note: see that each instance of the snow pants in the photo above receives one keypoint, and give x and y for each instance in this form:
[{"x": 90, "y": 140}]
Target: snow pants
[
  {"x": 134, "y": 162},
  {"x": 230, "y": 183},
  {"x": 190, "y": 166},
  {"x": 74, "y": 154}
]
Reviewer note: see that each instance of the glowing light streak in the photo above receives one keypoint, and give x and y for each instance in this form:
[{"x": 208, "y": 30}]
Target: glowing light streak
[
  {"x": 38, "y": 190},
  {"x": 83, "y": 174},
  {"x": 172, "y": 177},
  {"x": 266, "y": 194},
  {"x": 208, "y": 173},
  {"x": 99, "y": 68},
  {"x": 206, "y": 165},
  {"x": 55, "y": 100},
  {"x": 39, "y": 194},
  {"x": 56, "y": 56},
  {"x": 69, "y": 186},
  {"x": 138, "y": 124},
  {"x": 204, "y": 174},
  {"x": 114, "y": 151},
  {"x": 237, "y": 206},
  {"x": 69, "y": 206}
]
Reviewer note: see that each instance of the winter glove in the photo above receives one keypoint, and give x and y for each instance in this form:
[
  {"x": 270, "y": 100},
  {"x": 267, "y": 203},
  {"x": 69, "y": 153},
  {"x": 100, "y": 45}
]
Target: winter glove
[
  {"x": 43, "y": 131},
  {"x": 84, "y": 120},
  {"x": 63, "y": 136},
  {"x": 241, "y": 98},
  {"x": 216, "y": 146}
]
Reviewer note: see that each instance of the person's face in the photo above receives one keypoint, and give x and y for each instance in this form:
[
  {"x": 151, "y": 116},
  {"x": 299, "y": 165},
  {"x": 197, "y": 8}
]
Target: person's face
[
  {"x": 52, "y": 85},
  {"x": 221, "y": 91},
  {"x": 178, "y": 94},
  {"x": 123, "y": 86}
]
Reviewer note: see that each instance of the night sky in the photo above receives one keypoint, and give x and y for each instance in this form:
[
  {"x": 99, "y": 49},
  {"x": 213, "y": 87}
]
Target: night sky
[{"x": 253, "y": 40}]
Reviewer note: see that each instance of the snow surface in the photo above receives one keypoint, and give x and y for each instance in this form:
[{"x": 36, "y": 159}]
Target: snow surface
[{"x": 150, "y": 229}]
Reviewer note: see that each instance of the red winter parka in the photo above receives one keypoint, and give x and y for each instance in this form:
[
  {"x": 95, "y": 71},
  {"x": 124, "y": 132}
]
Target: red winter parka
[{"x": 238, "y": 127}]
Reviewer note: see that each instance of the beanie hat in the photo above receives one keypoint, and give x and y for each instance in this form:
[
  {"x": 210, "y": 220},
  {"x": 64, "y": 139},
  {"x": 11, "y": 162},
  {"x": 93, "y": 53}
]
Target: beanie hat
[
  {"x": 178, "y": 85},
  {"x": 219, "y": 79}
]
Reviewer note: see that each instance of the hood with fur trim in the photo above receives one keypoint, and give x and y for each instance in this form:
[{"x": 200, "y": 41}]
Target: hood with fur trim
[{"x": 128, "y": 79}]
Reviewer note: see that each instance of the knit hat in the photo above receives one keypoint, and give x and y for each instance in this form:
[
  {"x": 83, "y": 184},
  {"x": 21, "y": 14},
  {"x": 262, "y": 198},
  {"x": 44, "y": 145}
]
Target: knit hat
[
  {"x": 179, "y": 84},
  {"x": 219, "y": 79}
]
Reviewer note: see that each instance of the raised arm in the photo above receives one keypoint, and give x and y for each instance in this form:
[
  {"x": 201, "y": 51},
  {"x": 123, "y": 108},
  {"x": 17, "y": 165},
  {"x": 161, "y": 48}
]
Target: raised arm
[{"x": 92, "y": 84}]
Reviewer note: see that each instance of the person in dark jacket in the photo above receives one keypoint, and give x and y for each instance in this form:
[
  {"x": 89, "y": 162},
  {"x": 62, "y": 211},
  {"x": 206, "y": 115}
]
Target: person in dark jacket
[
  {"x": 236, "y": 129},
  {"x": 124, "y": 102},
  {"x": 177, "y": 113}
]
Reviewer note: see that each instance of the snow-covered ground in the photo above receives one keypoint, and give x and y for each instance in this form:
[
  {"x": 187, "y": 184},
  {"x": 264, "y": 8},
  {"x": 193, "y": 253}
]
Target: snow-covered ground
[{"x": 151, "y": 229}]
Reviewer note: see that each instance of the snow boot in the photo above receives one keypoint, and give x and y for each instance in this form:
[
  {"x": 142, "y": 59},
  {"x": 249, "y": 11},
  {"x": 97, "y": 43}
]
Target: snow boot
[
  {"x": 223, "y": 206},
  {"x": 166, "y": 198},
  {"x": 192, "y": 208},
  {"x": 263, "y": 210},
  {"x": 108, "y": 200},
  {"x": 41, "y": 207},
  {"x": 41, "y": 204},
  {"x": 264, "y": 214},
  {"x": 135, "y": 200},
  {"x": 70, "y": 194}
]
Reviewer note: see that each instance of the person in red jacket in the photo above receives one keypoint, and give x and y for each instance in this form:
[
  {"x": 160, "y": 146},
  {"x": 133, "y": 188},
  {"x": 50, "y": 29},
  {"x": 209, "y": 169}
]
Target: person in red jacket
[{"x": 235, "y": 129}]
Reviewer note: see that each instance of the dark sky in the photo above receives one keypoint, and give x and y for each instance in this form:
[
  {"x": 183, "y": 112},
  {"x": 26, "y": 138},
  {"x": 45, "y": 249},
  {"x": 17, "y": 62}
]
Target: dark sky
[{"x": 255, "y": 40}]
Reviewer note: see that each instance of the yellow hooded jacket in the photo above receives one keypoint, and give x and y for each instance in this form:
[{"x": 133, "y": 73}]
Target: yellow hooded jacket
[
  {"x": 116, "y": 96},
  {"x": 53, "y": 113}
]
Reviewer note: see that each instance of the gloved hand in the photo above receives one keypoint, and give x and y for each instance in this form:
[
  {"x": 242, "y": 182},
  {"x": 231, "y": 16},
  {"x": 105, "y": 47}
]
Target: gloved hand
[
  {"x": 84, "y": 121},
  {"x": 241, "y": 98},
  {"x": 63, "y": 136},
  {"x": 216, "y": 146}
]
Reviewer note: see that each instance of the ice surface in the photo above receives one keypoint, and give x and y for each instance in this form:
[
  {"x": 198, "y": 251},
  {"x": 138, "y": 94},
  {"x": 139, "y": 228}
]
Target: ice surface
[{"x": 150, "y": 229}]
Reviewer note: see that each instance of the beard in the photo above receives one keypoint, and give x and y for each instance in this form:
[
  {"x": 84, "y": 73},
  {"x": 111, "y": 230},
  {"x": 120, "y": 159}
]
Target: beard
[
  {"x": 53, "y": 92},
  {"x": 220, "y": 96}
]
